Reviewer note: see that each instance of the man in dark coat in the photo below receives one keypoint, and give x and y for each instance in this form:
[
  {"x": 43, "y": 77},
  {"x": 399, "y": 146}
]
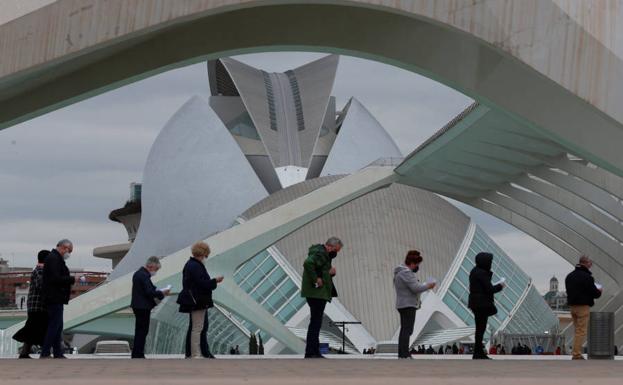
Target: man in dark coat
[
  {"x": 481, "y": 300},
  {"x": 56, "y": 288},
  {"x": 144, "y": 294},
  {"x": 581, "y": 294},
  {"x": 317, "y": 288}
]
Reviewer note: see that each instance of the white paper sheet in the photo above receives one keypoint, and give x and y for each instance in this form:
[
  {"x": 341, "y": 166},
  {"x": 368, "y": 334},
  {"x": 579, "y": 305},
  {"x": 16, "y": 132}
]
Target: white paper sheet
[
  {"x": 501, "y": 281},
  {"x": 599, "y": 286},
  {"x": 167, "y": 287},
  {"x": 431, "y": 280}
]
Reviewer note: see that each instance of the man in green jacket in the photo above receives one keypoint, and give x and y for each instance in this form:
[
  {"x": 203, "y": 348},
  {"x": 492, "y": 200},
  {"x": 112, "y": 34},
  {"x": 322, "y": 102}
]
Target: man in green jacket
[{"x": 317, "y": 288}]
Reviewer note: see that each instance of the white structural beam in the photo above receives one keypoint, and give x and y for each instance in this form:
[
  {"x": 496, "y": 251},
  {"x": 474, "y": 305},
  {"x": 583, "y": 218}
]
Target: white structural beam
[
  {"x": 564, "y": 217},
  {"x": 577, "y": 204}
]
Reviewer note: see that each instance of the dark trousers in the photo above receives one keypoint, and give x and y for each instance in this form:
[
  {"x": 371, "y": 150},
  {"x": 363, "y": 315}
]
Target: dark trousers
[
  {"x": 141, "y": 328},
  {"x": 316, "y": 310},
  {"x": 54, "y": 335},
  {"x": 407, "y": 319},
  {"x": 481, "y": 326},
  {"x": 203, "y": 344}
]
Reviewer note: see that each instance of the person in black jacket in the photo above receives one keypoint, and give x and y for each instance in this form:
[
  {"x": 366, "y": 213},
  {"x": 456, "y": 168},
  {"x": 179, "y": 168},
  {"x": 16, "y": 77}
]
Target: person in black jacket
[
  {"x": 144, "y": 294},
  {"x": 36, "y": 325},
  {"x": 581, "y": 294},
  {"x": 195, "y": 298},
  {"x": 56, "y": 289},
  {"x": 481, "y": 299}
]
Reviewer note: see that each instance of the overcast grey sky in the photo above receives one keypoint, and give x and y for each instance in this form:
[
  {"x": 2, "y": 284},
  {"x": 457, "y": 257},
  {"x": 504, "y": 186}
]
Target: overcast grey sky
[{"x": 62, "y": 173}]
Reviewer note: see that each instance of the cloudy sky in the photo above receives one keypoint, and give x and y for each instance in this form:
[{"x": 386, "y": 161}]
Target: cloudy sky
[{"x": 62, "y": 173}]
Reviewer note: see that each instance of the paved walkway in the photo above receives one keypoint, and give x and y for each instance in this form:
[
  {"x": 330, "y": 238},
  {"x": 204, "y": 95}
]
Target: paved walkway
[{"x": 298, "y": 371}]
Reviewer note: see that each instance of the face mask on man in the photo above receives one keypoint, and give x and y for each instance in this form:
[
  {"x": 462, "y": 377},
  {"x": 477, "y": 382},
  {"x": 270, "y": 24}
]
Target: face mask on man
[
  {"x": 152, "y": 273},
  {"x": 415, "y": 269},
  {"x": 332, "y": 254},
  {"x": 66, "y": 256}
]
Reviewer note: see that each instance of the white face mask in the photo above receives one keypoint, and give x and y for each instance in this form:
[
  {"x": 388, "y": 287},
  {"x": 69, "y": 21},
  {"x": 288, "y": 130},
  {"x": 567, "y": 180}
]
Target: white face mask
[
  {"x": 152, "y": 273},
  {"x": 66, "y": 256}
]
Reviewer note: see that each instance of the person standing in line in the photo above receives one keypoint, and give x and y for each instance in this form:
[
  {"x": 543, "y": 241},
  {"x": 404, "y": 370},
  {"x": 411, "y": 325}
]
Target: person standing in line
[
  {"x": 408, "y": 290},
  {"x": 57, "y": 284},
  {"x": 581, "y": 295},
  {"x": 481, "y": 301},
  {"x": 317, "y": 288},
  {"x": 195, "y": 298},
  {"x": 144, "y": 295},
  {"x": 36, "y": 325}
]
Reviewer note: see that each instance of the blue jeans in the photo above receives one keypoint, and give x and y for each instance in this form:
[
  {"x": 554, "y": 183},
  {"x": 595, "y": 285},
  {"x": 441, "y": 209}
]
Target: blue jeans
[{"x": 54, "y": 335}]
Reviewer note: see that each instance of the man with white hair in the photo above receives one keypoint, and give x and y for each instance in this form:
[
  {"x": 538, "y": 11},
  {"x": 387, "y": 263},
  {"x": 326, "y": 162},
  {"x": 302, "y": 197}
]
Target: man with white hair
[
  {"x": 144, "y": 295},
  {"x": 317, "y": 288},
  {"x": 56, "y": 289}
]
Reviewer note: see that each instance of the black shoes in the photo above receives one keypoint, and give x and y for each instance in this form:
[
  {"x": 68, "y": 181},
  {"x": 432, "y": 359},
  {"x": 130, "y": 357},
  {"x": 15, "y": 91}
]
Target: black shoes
[
  {"x": 210, "y": 356},
  {"x": 480, "y": 357},
  {"x": 314, "y": 356},
  {"x": 24, "y": 356}
]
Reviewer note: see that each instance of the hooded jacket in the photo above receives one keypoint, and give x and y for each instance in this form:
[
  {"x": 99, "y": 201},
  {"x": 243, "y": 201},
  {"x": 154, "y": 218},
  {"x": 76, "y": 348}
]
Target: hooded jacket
[
  {"x": 408, "y": 288},
  {"x": 480, "y": 288},
  {"x": 317, "y": 264}
]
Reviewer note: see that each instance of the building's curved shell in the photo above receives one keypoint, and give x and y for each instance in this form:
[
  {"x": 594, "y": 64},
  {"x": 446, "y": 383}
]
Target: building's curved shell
[
  {"x": 377, "y": 230},
  {"x": 188, "y": 189}
]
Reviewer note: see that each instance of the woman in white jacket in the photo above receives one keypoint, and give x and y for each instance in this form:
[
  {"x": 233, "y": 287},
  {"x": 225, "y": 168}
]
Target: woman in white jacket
[{"x": 408, "y": 289}]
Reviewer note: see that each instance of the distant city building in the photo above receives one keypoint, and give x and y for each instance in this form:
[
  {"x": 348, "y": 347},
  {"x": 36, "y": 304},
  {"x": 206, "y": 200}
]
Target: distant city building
[
  {"x": 289, "y": 140},
  {"x": 14, "y": 283},
  {"x": 557, "y": 300}
]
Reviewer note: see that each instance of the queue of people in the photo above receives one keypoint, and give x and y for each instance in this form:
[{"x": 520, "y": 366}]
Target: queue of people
[{"x": 51, "y": 286}]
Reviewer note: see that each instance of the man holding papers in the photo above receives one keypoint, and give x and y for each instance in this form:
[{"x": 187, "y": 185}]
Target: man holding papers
[
  {"x": 481, "y": 302},
  {"x": 144, "y": 295},
  {"x": 408, "y": 289},
  {"x": 581, "y": 293}
]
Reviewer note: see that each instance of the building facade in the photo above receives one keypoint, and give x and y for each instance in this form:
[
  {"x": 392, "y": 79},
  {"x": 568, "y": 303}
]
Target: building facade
[{"x": 266, "y": 139}]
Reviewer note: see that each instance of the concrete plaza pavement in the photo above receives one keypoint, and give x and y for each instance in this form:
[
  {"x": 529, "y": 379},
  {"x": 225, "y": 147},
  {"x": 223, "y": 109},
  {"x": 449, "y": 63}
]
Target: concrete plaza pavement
[{"x": 360, "y": 371}]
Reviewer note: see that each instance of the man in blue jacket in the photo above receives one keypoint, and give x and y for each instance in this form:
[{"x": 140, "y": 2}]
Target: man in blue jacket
[{"x": 144, "y": 294}]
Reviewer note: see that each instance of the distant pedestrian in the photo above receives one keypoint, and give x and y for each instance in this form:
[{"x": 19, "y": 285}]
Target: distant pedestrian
[
  {"x": 481, "y": 300},
  {"x": 502, "y": 350},
  {"x": 558, "y": 351},
  {"x": 144, "y": 295},
  {"x": 430, "y": 350},
  {"x": 408, "y": 290},
  {"x": 455, "y": 349},
  {"x": 57, "y": 284},
  {"x": 195, "y": 298},
  {"x": 440, "y": 351},
  {"x": 581, "y": 294},
  {"x": 237, "y": 350},
  {"x": 317, "y": 288},
  {"x": 232, "y": 351},
  {"x": 33, "y": 332},
  {"x": 493, "y": 350}
]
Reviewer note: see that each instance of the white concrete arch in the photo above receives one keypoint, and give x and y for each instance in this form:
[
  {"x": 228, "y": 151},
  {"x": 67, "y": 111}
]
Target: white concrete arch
[
  {"x": 563, "y": 60},
  {"x": 566, "y": 218},
  {"x": 575, "y": 203}
]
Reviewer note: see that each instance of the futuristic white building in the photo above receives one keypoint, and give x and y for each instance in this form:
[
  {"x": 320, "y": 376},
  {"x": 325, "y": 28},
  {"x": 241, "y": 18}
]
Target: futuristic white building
[{"x": 266, "y": 139}]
